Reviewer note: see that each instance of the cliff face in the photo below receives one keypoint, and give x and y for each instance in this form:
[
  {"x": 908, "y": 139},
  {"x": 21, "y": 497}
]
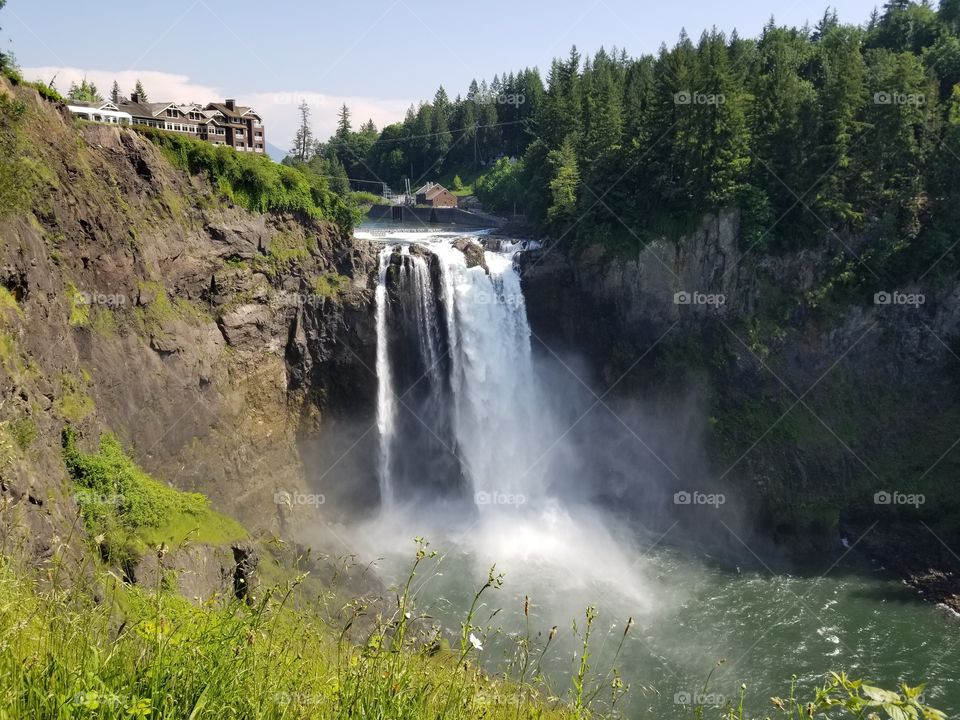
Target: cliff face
[
  {"x": 803, "y": 413},
  {"x": 216, "y": 343}
]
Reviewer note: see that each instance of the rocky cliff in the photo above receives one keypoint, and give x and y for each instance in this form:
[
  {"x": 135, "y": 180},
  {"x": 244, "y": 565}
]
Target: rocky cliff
[
  {"x": 816, "y": 419},
  {"x": 216, "y": 343}
]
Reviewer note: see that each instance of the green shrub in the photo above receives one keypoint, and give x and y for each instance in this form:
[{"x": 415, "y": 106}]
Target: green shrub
[
  {"x": 126, "y": 509},
  {"x": 254, "y": 181},
  {"x": 330, "y": 285},
  {"x": 362, "y": 197},
  {"x": 16, "y": 179},
  {"x": 46, "y": 92},
  {"x": 501, "y": 188}
]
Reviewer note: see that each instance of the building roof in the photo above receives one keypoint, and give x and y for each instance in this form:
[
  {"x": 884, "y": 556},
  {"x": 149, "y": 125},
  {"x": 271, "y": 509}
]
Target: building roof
[
  {"x": 237, "y": 114},
  {"x": 144, "y": 109},
  {"x": 101, "y": 105},
  {"x": 436, "y": 190},
  {"x": 431, "y": 190},
  {"x": 88, "y": 109},
  {"x": 217, "y": 113}
]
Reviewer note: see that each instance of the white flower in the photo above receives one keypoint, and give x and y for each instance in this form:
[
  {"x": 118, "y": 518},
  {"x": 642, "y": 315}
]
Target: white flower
[{"x": 475, "y": 641}]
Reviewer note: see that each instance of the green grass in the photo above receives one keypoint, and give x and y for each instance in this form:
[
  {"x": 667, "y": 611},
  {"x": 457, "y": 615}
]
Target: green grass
[
  {"x": 24, "y": 432},
  {"x": 8, "y": 305},
  {"x": 286, "y": 251},
  {"x": 103, "y": 323},
  {"x": 85, "y": 645},
  {"x": 151, "y": 319},
  {"x": 16, "y": 178},
  {"x": 79, "y": 308},
  {"x": 73, "y": 404},
  {"x": 143, "y": 654},
  {"x": 10, "y": 354},
  {"x": 330, "y": 285},
  {"x": 128, "y": 510}
]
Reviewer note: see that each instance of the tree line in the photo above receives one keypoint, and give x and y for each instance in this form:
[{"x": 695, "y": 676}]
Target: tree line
[{"x": 832, "y": 131}]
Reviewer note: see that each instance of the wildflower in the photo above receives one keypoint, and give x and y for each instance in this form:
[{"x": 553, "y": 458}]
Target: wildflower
[
  {"x": 475, "y": 641},
  {"x": 553, "y": 632},
  {"x": 526, "y": 606},
  {"x": 629, "y": 625}
]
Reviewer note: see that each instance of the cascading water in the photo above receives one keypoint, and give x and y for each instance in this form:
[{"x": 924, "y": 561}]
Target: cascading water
[
  {"x": 385, "y": 398},
  {"x": 454, "y": 355}
]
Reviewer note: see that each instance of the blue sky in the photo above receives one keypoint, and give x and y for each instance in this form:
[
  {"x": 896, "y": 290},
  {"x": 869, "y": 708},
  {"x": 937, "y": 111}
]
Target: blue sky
[{"x": 377, "y": 55}]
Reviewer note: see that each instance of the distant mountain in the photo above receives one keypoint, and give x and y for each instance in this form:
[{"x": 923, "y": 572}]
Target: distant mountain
[{"x": 276, "y": 153}]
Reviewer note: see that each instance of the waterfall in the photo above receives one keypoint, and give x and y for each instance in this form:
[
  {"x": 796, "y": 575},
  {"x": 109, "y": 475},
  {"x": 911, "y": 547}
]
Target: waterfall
[
  {"x": 385, "y": 400},
  {"x": 454, "y": 343}
]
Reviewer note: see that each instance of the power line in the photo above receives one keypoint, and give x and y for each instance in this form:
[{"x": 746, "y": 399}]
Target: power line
[{"x": 458, "y": 130}]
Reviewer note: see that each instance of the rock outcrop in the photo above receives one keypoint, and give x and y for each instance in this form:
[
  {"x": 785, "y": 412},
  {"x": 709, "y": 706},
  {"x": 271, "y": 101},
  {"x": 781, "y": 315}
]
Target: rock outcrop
[
  {"x": 804, "y": 411},
  {"x": 217, "y": 343}
]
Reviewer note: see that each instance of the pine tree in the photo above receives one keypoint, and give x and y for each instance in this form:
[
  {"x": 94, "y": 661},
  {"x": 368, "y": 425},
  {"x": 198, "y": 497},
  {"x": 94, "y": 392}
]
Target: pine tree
[
  {"x": 303, "y": 142},
  {"x": 141, "y": 93},
  {"x": 564, "y": 186},
  {"x": 842, "y": 98},
  {"x": 84, "y": 92},
  {"x": 440, "y": 127},
  {"x": 602, "y": 108},
  {"x": 950, "y": 14},
  {"x": 116, "y": 95},
  {"x": 343, "y": 123}
]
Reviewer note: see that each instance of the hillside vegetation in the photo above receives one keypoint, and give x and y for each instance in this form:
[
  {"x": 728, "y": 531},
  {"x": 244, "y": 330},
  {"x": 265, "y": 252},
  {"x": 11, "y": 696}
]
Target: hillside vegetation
[
  {"x": 255, "y": 182},
  {"x": 837, "y": 135}
]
